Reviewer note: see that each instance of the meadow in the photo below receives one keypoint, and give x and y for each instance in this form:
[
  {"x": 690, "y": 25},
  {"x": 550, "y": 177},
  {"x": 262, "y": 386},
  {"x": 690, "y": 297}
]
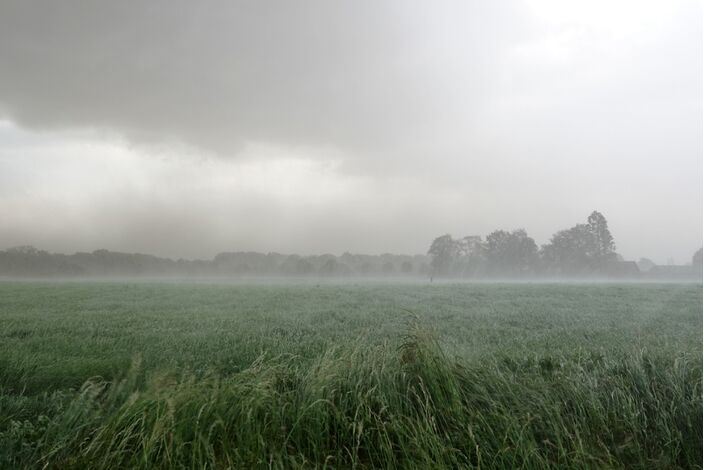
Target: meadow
[{"x": 350, "y": 375}]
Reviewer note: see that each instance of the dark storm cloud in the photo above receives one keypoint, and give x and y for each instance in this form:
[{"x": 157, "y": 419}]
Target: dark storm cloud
[
  {"x": 361, "y": 75},
  {"x": 469, "y": 116}
]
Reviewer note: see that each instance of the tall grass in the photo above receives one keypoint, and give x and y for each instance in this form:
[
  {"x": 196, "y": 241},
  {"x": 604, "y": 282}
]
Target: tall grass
[{"x": 373, "y": 406}]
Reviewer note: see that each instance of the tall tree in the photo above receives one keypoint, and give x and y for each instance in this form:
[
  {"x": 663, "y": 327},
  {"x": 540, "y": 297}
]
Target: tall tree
[
  {"x": 582, "y": 249},
  {"x": 443, "y": 252},
  {"x": 604, "y": 247},
  {"x": 510, "y": 253},
  {"x": 570, "y": 251},
  {"x": 471, "y": 258}
]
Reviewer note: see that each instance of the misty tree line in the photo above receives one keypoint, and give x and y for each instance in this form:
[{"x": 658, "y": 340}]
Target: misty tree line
[
  {"x": 585, "y": 250},
  {"x": 27, "y": 261}
]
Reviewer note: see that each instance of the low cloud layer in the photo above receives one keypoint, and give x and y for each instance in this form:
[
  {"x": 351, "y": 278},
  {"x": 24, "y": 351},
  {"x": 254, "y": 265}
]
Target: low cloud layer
[{"x": 184, "y": 129}]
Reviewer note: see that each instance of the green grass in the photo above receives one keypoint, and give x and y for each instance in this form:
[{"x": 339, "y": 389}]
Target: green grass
[{"x": 118, "y": 375}]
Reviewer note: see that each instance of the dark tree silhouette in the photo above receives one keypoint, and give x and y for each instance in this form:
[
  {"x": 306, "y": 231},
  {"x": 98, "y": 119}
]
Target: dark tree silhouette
[
  {"x": 569, "y": 251},
  {"x": 443, "y": 252},
  {"x": 582, "y": 249},
  {"x": 510, "y": 253},
  {"x": 604, "y": 247}
]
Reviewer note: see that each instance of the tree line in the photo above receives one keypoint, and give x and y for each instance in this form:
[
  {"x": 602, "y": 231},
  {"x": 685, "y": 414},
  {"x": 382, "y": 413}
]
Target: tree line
[
  {"x": 28, "y": 261},
  {"x": 585, "y": 250}
]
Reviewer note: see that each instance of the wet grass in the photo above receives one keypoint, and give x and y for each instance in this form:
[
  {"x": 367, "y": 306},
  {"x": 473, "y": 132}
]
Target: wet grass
[{"x": 116, "y": 375}]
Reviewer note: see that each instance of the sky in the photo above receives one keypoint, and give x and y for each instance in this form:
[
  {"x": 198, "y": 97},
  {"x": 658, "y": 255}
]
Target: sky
[{"x": 185, "y": 129}]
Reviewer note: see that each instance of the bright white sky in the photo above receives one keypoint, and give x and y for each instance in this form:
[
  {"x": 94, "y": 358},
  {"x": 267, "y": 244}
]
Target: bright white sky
[{"x": 369, "y": 126}]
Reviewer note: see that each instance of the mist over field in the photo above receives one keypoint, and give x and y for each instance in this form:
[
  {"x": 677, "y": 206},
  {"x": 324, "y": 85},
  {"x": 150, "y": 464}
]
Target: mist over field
[{"x": 374, "y": 234}]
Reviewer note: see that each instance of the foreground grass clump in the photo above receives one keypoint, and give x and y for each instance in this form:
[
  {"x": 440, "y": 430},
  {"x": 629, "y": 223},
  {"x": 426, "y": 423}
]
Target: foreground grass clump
[{"x": 377, "y": 407}]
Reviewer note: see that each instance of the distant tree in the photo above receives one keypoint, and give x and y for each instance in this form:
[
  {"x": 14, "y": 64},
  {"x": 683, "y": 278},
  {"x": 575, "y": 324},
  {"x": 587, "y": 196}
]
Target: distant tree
[
  {"x": 471, "y": 253},
  {"x": 570, "y": 251},
  {"x": 23, "y": 250},
  {"x": 443, "y": 251},
  {"x": 240, "y": 262},
  {"x": 406, "y": 267},
  {"x": 603, "y": 241},
  {"x": 294, "y": 265},
  {"x": 329, "y": 267},
  {"x": 304, "y": 267},
  {"x": 583, "y": 249},
  {"x": 510, "y": 253},
  {"x": 348, "y": 258},
  {"x": 332, "y": 267},
  {"x": 28, "y": 261},
  {"x": 290, "y": 265},
  {"x": 697, "y": 261},
  {"x": 387, "y": 267}
]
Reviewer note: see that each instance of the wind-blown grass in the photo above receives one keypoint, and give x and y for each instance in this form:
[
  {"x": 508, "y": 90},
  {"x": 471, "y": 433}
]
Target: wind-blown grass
[
  {"x": 404, "y": 401},
  {"x": 379, "y": 407}
]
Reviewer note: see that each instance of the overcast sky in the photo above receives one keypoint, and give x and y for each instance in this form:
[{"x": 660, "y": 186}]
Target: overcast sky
[{"x": 187, "y": 128}]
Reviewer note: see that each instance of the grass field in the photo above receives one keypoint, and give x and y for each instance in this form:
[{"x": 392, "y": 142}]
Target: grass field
[{"x": 149, "y": 375}]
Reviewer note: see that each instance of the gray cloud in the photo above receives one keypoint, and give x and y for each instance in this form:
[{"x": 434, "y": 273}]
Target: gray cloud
[
  {"x": 360, "y": 75},
  {"x": 527, "y": 113}
]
